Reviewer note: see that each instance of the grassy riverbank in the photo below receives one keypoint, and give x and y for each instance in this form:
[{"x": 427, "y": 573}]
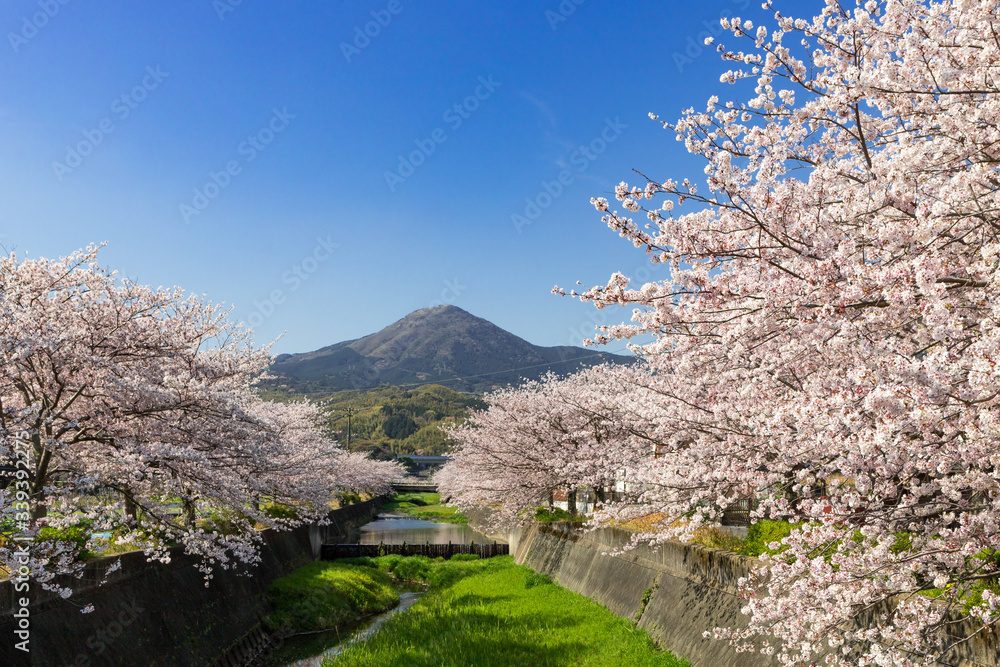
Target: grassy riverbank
[
  {"x": 493, "y": 612},
  {"x": 424, "y": 506},
  {"x": 759, "y": 535},
  {"x": 324, "y": 595}
]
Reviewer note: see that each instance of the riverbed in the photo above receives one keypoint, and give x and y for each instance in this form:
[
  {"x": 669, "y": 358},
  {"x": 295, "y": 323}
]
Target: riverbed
[{"x": 309, "y": 650}]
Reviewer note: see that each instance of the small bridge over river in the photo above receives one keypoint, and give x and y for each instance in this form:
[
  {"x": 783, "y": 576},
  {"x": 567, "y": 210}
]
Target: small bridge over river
[
  {"x": 482, "y": 549},
  {"x": 414, "y": 486}
]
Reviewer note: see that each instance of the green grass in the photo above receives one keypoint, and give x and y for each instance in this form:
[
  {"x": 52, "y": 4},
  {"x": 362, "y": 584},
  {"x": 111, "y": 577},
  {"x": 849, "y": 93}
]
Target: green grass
[
  {"x": 759, "y": 535},
  {"x": 555, "y": 514},
  {"x": 493, "y": 612},
  {"x": 73, "y": 537},
  {"x": 324, "y": 595},
  {"x": 439, "y": 513},
  {"x": 716, "y": 538},
  {"x": 417, "y": 498},
  {"x": 425, "y": 506}
]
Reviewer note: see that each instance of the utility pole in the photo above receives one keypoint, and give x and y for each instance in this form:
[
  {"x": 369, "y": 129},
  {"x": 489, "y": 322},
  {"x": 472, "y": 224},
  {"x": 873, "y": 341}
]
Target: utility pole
[{"x": 350, "y": 413}]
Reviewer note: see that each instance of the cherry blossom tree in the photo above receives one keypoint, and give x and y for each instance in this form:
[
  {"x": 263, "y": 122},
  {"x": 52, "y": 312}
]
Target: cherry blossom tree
[
  {"x": 828, "y": 339},
  {"x": 554, "y": 433},
  {"x": 140, "y": 414}
]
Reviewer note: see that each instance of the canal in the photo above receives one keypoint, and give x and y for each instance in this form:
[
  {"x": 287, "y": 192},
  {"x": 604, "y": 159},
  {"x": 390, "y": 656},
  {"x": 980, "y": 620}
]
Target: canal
[
  {"x": 311, "y": 649},
  {"x": 397, "y": 529}
]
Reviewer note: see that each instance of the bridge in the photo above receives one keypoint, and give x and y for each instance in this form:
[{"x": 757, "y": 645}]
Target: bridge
[
  {"x": 483, "y": 550},
  {"x": 414, "y": 486}
]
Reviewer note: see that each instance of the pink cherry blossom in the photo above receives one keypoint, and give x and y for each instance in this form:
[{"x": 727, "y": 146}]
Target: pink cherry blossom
[
  {"x": 826, "y": 341},
  {"x": 142, "y": 416}
]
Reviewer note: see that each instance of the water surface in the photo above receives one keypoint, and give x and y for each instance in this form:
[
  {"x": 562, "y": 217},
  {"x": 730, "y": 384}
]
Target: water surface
[{"x": 396, "y": 529}]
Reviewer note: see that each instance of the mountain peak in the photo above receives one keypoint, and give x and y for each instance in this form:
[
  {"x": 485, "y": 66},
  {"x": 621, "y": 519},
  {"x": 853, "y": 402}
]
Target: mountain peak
[
  {"x": 441, "y": 344},
  {"x": 439, "y": 310},
  {"x": 446, "y": 312}
]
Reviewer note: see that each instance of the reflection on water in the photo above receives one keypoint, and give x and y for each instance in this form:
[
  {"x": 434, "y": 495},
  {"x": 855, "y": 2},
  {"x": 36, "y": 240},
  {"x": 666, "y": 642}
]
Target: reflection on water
[{"x": 392, "y": 529}]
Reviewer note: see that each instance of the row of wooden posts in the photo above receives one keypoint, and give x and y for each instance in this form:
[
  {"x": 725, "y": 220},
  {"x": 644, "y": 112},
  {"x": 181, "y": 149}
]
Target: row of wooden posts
[{"x": 483, "y": 550}]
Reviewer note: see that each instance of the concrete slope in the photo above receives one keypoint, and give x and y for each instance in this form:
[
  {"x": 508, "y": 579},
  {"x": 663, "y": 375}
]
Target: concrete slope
[{"x": 678, "y": 591}]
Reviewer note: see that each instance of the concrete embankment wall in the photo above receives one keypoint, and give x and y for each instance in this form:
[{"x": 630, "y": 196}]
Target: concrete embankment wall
[
  {"x": 156, "y": 614},
  {"x": 693, "y": 589}
]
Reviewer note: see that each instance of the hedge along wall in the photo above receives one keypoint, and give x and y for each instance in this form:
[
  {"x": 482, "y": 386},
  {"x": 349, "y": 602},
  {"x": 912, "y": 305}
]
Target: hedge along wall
[
  {"x": 163, "y": 614},
  {"x": 692, "y": 589}
]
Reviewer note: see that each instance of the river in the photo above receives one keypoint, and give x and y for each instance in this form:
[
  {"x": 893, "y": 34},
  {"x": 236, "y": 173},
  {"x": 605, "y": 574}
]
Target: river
[
  {"x": 397, "y": 529},
  {"x": 309, "y": 650}
]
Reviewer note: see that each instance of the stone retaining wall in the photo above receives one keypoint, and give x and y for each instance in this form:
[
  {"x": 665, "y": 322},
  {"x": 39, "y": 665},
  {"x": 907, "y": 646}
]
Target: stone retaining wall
[
  {"x": 692, "y": 589},
  {"x": 156, "y": 614}
]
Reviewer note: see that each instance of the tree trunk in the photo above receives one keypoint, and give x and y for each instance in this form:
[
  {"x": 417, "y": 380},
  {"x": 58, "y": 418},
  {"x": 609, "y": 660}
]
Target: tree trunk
[
  {"x": 42, "y": 457},
  {"x": 131, "y": 511},
  {"x": 38, "y": 510},
  {"x": 571, "y": 501},
  {"x": 189, "y": 516}
]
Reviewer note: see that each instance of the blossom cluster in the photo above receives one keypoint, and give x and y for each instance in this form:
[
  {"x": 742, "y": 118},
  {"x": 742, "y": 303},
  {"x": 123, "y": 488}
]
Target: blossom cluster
[
  {"x": 144, "y": 422},
  {"x": 827, "y": 341}
]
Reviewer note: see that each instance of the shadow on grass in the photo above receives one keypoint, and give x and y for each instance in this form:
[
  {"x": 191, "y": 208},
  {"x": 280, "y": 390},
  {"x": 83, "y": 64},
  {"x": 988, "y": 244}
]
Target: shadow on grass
[
  {"x": 501, "y": 630},
  {"x": 494, "y": 612},
  {"x": 462, "y": 635}
]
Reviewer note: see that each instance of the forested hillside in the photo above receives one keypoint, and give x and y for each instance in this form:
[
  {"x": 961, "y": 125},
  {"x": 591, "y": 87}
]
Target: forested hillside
[{"x": 392, "y": 420}]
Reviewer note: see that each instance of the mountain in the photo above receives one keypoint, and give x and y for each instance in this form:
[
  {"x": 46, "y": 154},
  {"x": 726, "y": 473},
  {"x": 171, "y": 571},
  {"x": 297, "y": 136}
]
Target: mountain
[{"x": 444, "y": 345}]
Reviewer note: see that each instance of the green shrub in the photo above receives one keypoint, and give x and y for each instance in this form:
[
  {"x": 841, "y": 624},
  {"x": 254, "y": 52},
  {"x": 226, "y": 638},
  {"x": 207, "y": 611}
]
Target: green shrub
[
  {"x": 412, "y": 568},
  {"x": 279, "y": 511},
  {"x": 716, "y": 538},
  {"x": 363, "y": 561},
  {"x": 556, "y": 514},
  {"x": 345, "y": 499},
  {"x": 75, "y": 537},
  {"x": 762, "y": 533},
  {"x": 437, "y": 572},
  {"x": 402, "y": 506},
  {"x": 223, "y": 522},
  {"x": 418, "y": 499}
]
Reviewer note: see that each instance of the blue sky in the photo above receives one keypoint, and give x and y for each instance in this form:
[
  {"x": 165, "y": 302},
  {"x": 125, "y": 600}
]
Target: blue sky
[{"x": 241, "y": 149}]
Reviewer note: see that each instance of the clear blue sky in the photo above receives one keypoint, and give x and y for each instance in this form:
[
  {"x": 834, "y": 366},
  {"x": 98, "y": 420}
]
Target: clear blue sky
[{"x": 300, "y": 130}]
